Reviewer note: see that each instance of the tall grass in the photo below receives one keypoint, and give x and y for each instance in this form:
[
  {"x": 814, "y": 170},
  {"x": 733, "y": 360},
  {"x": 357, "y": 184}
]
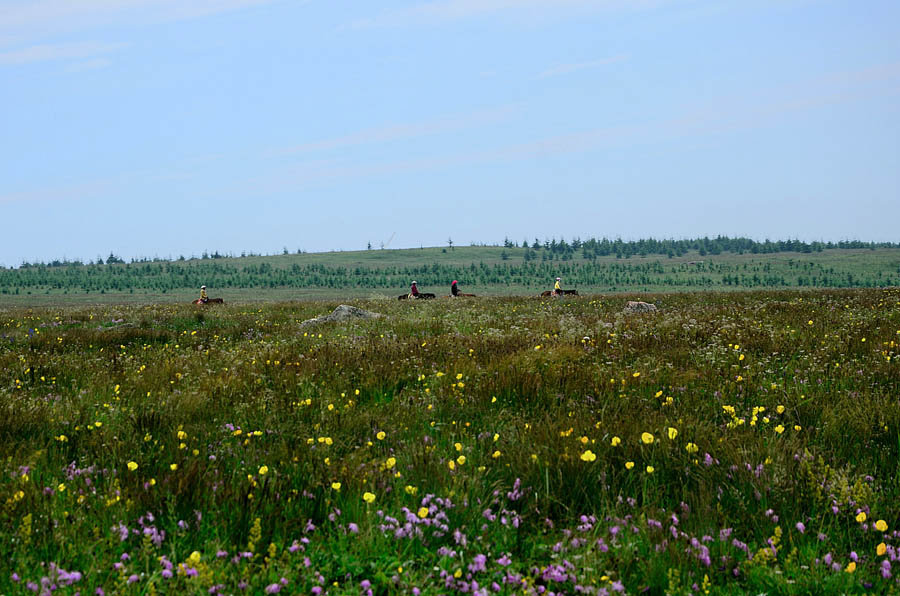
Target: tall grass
[{"x": 728, "y": 442}]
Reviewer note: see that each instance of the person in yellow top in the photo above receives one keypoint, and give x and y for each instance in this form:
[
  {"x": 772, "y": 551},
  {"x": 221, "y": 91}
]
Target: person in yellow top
[
  {"x": 203, "y": 296},
  {"x": 557, "y": 289}
]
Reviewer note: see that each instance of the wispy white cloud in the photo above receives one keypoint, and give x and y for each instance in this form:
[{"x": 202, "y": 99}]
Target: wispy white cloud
[
  {"x": 62, "y": 51},
  {"x": 316, "y": 167},
  {"x": 724, "y": 115},
  {"x": 572, "y": 67},
  {"x": 66, "y": 192},
  {"x": 22, "y": 20},
  {"x": 747, "y": 111},
  {"x": 396, "y": 132},
  {"x": 92, "y": 64},
  {"x": 442, "y": 11}
]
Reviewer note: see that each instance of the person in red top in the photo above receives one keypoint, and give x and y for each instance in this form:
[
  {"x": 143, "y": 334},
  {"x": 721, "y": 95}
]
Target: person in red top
[
  {"x": 413, "y": 290},
  {"x": 454, "y": 291}
]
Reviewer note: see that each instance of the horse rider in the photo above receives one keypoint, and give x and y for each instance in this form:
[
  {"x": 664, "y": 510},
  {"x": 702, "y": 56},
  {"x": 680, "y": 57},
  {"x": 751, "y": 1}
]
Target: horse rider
[
  {"x": 557, "y": 288},
  {"x": 413, "y": 290},
  {"x": 454, "y": 291},
  {"x": 204, "y": 298}
]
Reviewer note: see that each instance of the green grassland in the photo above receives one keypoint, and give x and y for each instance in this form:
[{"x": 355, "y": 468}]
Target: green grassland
[
  {"x": 732, "y": 442},
  {"x": 484, "y": 270}
]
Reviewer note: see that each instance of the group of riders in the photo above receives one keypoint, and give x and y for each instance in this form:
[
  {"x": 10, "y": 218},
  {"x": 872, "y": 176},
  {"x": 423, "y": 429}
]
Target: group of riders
[
  {"x": 454, "y": 290},
  {"x": 413, "y": 291}
]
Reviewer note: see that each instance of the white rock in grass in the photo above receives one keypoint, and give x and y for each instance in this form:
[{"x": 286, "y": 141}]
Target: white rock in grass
[
  {"x": 636, "y": 306},
  {"x": 344, "y": 312}
]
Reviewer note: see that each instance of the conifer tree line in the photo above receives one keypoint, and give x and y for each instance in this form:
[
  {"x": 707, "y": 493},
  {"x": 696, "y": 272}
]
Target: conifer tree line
[
  {"x": 602, "y": 264},
  {"x": 676, "y": 248}
]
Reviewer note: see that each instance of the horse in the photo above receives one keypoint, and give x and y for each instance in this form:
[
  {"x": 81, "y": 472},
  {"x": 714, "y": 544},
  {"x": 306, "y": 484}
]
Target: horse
[
  {"x": 461, "y": 295},
  {"x": 210, "y": 301},
  {"x": 421, "y": 296},
  {"x": 548, "y": 293}
]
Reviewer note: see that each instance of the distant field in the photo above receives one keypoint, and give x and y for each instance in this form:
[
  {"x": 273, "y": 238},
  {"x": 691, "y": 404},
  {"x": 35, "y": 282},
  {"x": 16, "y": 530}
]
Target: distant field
[{"x": 489, "y": 271}]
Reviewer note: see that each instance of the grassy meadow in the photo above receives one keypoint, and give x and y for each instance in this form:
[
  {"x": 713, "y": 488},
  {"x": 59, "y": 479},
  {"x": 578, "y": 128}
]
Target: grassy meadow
[{"x": 731, "y": 442}]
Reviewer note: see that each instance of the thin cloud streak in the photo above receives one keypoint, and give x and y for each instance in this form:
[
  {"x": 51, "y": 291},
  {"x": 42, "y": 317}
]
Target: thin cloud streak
[
  {"x": 62, "y": 51},
  {"x": 94, "y": 64},
  {"x": 31, "y": 19},
  {"x": 410, "y": 130},
  {"x": 567, "y": 68},
  {"x": 60, "y": 193},
  {"x": 727, "y": 115},
  {"x": 443, "y": 11}
]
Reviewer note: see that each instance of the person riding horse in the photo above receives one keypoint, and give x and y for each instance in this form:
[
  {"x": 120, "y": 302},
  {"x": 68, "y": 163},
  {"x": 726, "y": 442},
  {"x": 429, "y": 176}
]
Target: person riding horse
[
  {"x": 454, "y": 291},
  {"x": 557, "y": 288},
  {"x": 413, "y": 290},
  {"x": 204, "y": 298}
]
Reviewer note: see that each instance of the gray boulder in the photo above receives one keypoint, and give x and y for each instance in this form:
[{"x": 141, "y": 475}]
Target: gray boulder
[
  {"x": 344, "y": 312},
  {"x": 633, "y": 306}
]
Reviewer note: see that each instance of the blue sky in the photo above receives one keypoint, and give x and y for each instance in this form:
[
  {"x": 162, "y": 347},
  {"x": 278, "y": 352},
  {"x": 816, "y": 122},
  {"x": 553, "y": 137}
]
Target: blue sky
[{"x": 164, "y": 127}]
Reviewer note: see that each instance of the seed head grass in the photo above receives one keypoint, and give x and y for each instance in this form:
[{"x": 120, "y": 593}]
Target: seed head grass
[{"x": 722, "y": 443}]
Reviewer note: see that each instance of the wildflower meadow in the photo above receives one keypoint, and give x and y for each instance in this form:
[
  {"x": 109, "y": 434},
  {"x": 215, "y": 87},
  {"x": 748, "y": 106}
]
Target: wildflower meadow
[{"x": 726, "y": 443}]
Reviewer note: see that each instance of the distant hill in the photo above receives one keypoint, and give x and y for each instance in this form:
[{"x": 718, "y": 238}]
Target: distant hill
[{"x": 592, "y": 266}]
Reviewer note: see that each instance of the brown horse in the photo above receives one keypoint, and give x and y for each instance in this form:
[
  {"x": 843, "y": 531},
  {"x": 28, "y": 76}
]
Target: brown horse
[
  {"x": 461, "y": 295},
  {"x": 548, "y": 293},
  {"x": 421, "y": 296},
  {"x": 210, "y": 301}
]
